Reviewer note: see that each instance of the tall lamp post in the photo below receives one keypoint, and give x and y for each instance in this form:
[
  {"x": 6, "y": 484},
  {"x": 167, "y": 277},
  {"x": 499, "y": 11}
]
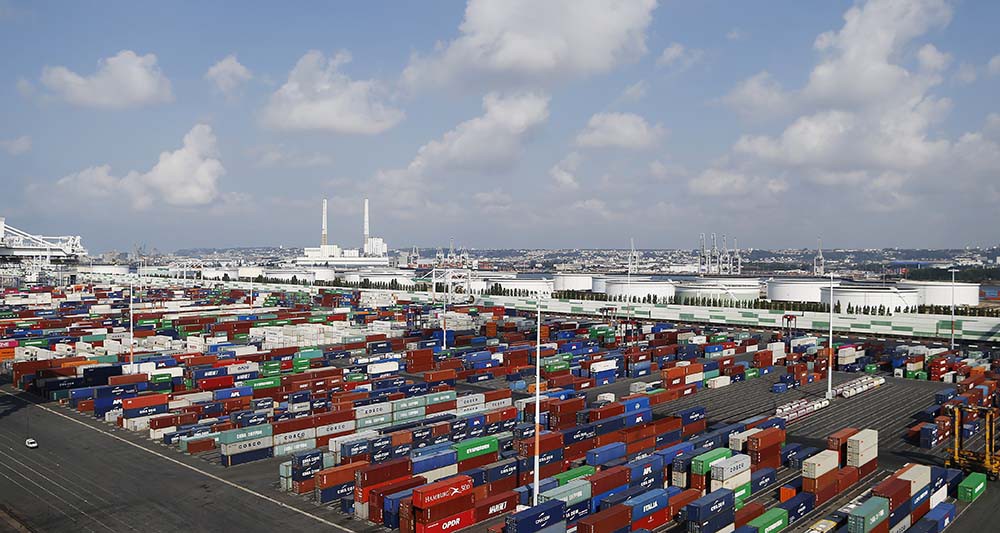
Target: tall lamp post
[
  {"x": 953, "y": 271},
  {"x": 829, "y": 353},
  {"x": 538, "y": 393}
]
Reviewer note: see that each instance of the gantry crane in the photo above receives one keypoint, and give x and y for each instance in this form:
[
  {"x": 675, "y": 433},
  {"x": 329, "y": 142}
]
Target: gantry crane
[{"x": 987, "y": 461}]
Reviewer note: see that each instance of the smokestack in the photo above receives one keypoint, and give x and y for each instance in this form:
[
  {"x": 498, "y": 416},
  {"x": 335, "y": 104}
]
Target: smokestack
[
  {"x": 322, "y": 240},
  {"x": 366, "y": 222}
]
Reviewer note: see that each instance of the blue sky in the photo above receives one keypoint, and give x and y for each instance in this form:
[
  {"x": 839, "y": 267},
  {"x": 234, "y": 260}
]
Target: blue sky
[{"x": 565, "y": 123}]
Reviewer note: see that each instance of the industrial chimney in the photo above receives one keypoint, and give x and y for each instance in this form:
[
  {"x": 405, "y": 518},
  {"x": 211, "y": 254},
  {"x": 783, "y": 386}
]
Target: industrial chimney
[
  {"x": 365, "y": 243},
  {"x": 322, "y": 240}
]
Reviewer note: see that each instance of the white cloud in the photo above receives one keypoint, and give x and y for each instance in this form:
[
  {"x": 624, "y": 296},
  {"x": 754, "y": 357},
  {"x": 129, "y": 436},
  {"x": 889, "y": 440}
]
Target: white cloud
[
  {"x": 490, "y": 143},
  {"x": 736, "y": 34},
  {"x": 16, "y": 146},
  {"x": 25, "y": 88},
  {"x": 527, "y": 41},
  {"x": 564, "y": 172},
  {"x": 594, "y": 206},
  {"x": 622, "y": 130},
  {"x": 635, "y": 92},
  {"x": 279, "y": 156},
  {"x": 228, "y": 75},
  {"x": 494, "y": 201},
  {"x": 679, "y": 56},
  {"x": 933, "y": 59},
  {"x": 966, "y": 73},
  {"x": 994, "y": 65},
  {"x": 318, "y": 96},
  {"x": 185, "y": 177},
  {"x": 720, "y": 182},
  {"x": 866, "y": 123},
  {"x": 759, "y": 96},
  {"x": 122, "y": 81}
]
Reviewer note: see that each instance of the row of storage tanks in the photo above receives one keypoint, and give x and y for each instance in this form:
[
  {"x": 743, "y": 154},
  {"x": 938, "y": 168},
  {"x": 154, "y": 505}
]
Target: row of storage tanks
[{"x": 890, "y": 295}]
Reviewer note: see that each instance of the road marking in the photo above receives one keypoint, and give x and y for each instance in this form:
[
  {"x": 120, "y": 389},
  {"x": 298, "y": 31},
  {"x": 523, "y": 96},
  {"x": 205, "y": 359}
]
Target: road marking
[{"x": 189, "y": 467}]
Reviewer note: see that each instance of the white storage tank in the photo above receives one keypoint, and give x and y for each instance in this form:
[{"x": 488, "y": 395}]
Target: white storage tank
[
  {"x": 640, "y": 288},
  {"x": 797, "y": 289},
  {"x": 739, "y": 289},
  {"x": 940, "y": 292},
  {"x": 541, "y": 286},
  {"x": 600, "y": 283},
  {"x": 861, "y": 295},
  {"x": 573, "y": 282}
]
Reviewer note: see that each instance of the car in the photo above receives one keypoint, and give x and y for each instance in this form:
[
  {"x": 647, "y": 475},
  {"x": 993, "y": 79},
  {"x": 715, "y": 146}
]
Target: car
[{"x": 31, "y": 443}]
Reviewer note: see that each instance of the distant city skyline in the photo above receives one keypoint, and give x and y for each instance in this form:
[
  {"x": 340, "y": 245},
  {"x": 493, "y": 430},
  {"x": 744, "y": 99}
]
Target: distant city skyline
[{"x": 506, "y": 125}]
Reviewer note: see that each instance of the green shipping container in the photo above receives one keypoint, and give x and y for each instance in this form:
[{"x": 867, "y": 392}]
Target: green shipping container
[
  {"x": 741, "y": 492},
  {"x": 569, "y": 475},
  {"x": 355, "y": 377},
  {"x": 702, "y": 464},
  {"x": 470, "y": 448},
  {"x": 972, "y": 487},
  {"x": 869, "y": 514},
  {"x": 263, "y": 383},
  {"x": 752, "y": 373},
  {"x": 871, "y": 368},
  {"x": 248, "y": 433},
  {"x": 555, "y": 367},
  {"x": 771, "y": 521},
  {"x": 161, "y": 378},
  {"x": 711, "y": 374}
]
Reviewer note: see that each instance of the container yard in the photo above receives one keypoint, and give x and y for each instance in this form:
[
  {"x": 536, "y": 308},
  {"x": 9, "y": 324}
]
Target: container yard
[{"x": 348, "y": 410}]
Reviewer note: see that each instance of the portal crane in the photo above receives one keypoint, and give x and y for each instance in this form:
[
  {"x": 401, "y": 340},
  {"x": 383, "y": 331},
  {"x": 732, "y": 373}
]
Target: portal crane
[{"x": 987, "y": 461}]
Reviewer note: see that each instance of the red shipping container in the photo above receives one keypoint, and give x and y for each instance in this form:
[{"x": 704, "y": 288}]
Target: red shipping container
[
  {"x": 452, "y": 523},
  {"x": 605, "y": 480},
  {"x": 765, "y": 439},
  {"x": 846, "y": 477},
  {"x": 747, "y": 513},
  {"x": 494, "y": 506},
  {"x": 441, "y": 491},
  {"x": 895, "y": 490},
  {"x": 652, "y": 521},
  {"x": 145, "y": 401},
  {"x": 680, "y": 501},
  {"x": 607, "y": 521},
  {"x": 444, "y": 509}
]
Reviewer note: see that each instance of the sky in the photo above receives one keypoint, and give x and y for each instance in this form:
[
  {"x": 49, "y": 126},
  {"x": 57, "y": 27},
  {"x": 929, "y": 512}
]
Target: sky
[{"x": 503, "y": 124}]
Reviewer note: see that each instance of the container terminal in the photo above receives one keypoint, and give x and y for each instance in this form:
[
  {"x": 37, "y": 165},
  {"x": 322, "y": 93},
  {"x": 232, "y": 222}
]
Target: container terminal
[{"x": 166, "y": 403}]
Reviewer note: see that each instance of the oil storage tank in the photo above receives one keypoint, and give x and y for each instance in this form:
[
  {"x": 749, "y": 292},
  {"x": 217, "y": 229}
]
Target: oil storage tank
[
  {"x": 942, "y": 292},
  {"x": 640, "y": 288},
  {"x": 796, "y": 289},
  {"x": 573, "y": 282},
  {"x": 739, "y": 289},
  {"x": 871, "y": 295}
]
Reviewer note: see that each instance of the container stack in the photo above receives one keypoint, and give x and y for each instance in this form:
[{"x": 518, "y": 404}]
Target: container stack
[
  {"x": 650, "y": 509},
  {"x": 371, "y": 476},
  {"x": 819, "y": 475},
  {"x": 547, "y": 517},
  {"x": 711, "y": 513},
  {"x": 764, "y": 448},
  {"x": 862, "y": 451},
  {"x": 450, "y": 501},
  {"x": 733, "y": 474},
  {"x": 701, "y": 467}
]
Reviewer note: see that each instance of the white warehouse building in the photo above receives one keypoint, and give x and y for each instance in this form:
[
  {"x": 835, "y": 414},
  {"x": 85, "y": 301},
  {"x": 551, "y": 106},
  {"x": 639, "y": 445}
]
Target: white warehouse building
[
  {"x": 941, "y": 293},
  {"x": 861, "y": 295}
]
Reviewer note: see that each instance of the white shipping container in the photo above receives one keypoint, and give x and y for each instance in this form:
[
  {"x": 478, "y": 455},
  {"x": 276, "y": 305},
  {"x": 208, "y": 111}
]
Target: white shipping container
[
  {"x": 732, "y": 483},
  {"x": 919, "y": 477},
  {"x": 730, "y": 467},
  {"x": 302, "y": 434},
  {"x": 246, "y": 446},
  {"x": 939, "y": 496},
  {"x": 469, "y": 400},
  {"x": 820, "y": 464},
  {"x": 374, "y": 409},
  {"x": 498, "y": 404},
  {"x": 862, "y": 458},
  {"x": 738, "y": 441},
  {"x": 439, "y": 473},
  {"x": 601, "y": 366},
  {"x": 694, "y": 378},
  {"x": 471, "y": 409},
  {"x": 902, "y": 526},
  {"x": 718, "y": 382},
  {"x": 337, "y": 427},
  {"x": 382, "y": 368},
  {"x": 862, "y": 440},
  {"x": 679, "y": 479}
]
